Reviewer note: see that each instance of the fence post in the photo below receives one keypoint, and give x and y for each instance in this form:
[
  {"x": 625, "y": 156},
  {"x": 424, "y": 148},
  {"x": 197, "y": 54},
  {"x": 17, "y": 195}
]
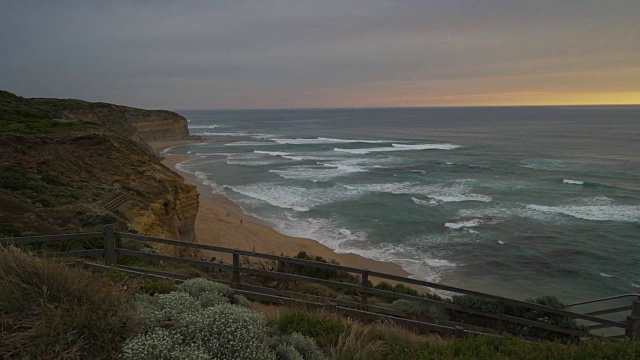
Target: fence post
[
  {"x": 109, "y": 245},
  {"x": 459, "y": 332},
  {"x": 633, "y": 332},
  {"x": 236, "y": 268},
  {"x": 500, "y": 311},
  {"x": 365, "y": 283}
]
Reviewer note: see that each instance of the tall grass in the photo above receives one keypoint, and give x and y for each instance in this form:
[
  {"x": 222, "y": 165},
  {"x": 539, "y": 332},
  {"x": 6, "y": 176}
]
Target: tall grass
[
  {"x": 51, "y": 311},
  {"x": 343, "y": 338}
]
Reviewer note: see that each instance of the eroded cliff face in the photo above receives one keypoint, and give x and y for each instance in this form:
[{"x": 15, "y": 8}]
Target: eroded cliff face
[
  {"x": 67, "y": 184},
  {"x": 149, "y": 125},
  {"x": 92, "y": 169}
]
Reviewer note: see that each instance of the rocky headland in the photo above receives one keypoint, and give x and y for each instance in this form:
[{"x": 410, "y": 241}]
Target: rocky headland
[{"x": 70, "y": 165}]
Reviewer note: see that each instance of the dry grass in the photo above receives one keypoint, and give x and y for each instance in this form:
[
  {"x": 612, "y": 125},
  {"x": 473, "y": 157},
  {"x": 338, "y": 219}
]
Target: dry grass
[
  {"x": 51, "y": 311},
  {"x": 343, "y": 338}
]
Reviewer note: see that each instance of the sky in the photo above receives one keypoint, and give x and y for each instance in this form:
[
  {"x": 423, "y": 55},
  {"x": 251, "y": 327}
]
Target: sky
[{"x": 236, "y": 54}]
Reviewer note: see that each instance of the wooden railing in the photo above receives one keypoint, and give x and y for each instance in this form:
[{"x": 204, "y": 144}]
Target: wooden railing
[{"x": 628, "y": 327}]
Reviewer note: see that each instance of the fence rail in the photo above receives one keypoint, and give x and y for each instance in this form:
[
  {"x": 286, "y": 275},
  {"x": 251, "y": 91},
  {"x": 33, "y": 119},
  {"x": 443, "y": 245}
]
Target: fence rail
[{"x": 630, "y": 326}]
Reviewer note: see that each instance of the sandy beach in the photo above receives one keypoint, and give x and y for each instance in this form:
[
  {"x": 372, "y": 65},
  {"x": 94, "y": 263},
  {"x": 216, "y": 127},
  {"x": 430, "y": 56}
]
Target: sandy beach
[{"x": 221, "y": 222}]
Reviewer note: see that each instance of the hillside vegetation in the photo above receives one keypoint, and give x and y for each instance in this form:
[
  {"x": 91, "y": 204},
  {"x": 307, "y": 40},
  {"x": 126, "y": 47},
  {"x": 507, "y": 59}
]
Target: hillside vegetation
[{"x": 51, "y": 311}]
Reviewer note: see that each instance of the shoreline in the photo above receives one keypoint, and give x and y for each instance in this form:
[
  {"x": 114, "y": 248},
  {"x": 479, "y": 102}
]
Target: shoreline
[{"x": 221, "y": 222}]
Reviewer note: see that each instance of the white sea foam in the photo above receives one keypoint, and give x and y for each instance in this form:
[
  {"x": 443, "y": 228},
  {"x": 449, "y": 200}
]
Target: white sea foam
[
  {"x": 506, "y": 212},
  {"x": 262, "y": 136},
  {"x": 328, "y": 232},
  {"x": 308, "y": 158},
  {"x": 400, "y": 147},
  {"x": 464, "y": 224},
  {"x": 412, "y": 257},
  {"x": 622, "y": 213},
  {"x": 252, "y": 159},
  {"x": 416, "y": 256},
  {"x": 293, "y": 197},
  {"x": 574, "y": 182},
  {"x": 431, "y": 202},
  {"x": 186, "y": 165},
  {"x": 605, "y": 275},
  {"x": 452, "y": 192},
  {"x": 203, "y": 126},
  {"x": 272, "y": 153},
  {"x": 323, "y": 140},
  {"x": 204, "y": 179},
  {"x": 501, "y": 242},
  {"x": 251, "y": 162},
  {"x": 250, "y": 143},
  {"x": 221, "y": 134},
  {"x": 634, "y": 285},
  {"x": 316, "y": 173}
]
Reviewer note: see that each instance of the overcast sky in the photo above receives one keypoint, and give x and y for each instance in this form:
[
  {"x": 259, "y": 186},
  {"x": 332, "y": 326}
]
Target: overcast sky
[{"x": 323, "y": 53}]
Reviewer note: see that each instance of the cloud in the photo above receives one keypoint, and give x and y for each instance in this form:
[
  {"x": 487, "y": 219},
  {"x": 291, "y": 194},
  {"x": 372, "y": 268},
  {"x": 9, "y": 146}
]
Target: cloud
[{"x": 286, "y": 53}]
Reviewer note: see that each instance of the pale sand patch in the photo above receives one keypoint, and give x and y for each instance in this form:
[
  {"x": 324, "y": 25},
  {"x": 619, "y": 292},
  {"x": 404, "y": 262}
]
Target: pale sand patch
[{"x": 215, "y": 227}]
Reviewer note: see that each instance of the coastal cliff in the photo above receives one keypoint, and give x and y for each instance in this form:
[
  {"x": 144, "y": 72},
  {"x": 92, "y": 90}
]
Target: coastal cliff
[
  {"x": 149, "y": 125},
  {"x": 70, "y": 165}
]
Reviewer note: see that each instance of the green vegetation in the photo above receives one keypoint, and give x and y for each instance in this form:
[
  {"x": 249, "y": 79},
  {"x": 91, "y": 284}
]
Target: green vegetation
[
  {"x": 23, "y": 116},
  {"x": 324, "y": 327},
  {"x": 50, "y": 311},
  {"x": 69, "y": 104},
  {"x": 206, "y": 320},
  {"x": 350, "y": 339}
]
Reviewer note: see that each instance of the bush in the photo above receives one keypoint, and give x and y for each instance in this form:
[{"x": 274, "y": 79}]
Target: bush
[
  {"x": 199, "y": 322},
  {"x": 420, "y": 310},
  {"x": 153, "y": 287},
  {"x": 295, "y": 346},
  {"x": 51, "y": 311},
  {"x": 324, "y": 328},
  {"x": 521, "y": 312}
]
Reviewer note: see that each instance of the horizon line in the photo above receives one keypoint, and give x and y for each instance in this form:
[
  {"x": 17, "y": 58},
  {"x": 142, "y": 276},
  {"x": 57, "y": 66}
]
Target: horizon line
[{"x": 403, "y": 107}]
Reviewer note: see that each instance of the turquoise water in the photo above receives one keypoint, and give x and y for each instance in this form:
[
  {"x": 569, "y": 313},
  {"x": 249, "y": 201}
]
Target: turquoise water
[{"x": 520, "y": 202}]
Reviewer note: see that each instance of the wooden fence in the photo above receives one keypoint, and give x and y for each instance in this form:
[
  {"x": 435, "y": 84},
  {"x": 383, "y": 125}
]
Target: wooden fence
[{"x": 598, "y": 326}]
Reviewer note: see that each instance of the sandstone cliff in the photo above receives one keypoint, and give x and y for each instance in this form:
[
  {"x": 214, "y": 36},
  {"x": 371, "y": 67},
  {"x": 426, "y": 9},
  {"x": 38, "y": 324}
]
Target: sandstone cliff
[
  {"x": 69, "y": 165},
  {"x": 150, "y": 125}
]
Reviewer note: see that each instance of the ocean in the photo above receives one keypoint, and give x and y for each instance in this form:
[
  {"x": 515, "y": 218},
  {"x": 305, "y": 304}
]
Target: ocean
[{"x": 515, "y": 201}]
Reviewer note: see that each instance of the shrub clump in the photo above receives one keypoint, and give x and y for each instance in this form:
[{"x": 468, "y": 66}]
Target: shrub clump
[
  {"x": 205, "y": 320},
  {"x": 419, "y": 310},
  {"x": 51, "y": 311}
]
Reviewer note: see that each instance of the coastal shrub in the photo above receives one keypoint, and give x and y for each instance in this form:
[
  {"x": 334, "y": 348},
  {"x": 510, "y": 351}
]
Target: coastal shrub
[
  {"x": 153, "y": 287},
  {"x": 198, "y": 287},
  {"x": 489, "y": 306},
  {"x": 52, "y": 311},
  {"x": 324, "y": 328},
  {"x": 296, "y": 347},
  {"x": 205, "y": 320},
  {"x": 315, "y": 272},
  {"x": 420, "y": 310},
  {"x": 211, "y": 293}
]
